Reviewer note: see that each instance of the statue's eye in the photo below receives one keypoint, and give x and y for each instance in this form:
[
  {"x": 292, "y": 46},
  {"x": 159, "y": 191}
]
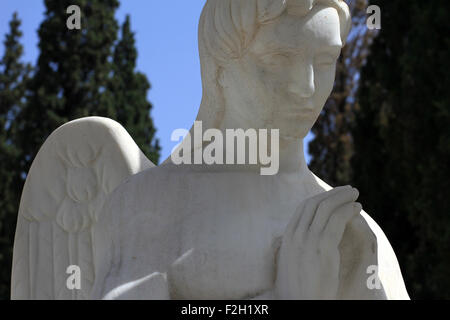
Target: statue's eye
[{"x": 275, "y": 59}]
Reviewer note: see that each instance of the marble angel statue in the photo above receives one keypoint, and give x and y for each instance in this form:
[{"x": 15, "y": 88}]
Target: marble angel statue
[{"x": 180, "y": 231}]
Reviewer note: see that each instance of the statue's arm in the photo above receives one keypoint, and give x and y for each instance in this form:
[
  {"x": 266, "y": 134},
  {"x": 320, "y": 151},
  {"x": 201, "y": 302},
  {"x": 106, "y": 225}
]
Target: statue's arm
[
  {"x": 151, "y": 287},
  {"x": 387, "y": 267},
  {"x": 120, "y": 275}
]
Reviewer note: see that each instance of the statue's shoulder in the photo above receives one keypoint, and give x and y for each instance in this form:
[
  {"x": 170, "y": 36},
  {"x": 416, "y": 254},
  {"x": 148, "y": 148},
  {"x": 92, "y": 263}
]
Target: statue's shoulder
[{"x": 146, "y": 195}]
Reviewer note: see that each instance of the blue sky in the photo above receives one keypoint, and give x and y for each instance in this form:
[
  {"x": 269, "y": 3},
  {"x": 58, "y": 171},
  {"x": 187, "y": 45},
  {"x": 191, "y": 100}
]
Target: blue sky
[{"x": 166, "y": 40}]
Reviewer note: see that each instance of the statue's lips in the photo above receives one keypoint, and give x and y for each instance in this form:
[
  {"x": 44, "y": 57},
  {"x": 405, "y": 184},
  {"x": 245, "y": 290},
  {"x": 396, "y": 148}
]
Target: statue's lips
[{"x": 299, "y": 107}]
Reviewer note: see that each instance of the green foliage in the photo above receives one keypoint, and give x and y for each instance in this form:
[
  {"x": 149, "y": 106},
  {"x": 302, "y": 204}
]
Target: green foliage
[
  {"x": 71, "y": 73},
  {"x": 332, "y": 146},
  {"x": 129, "y": 94},
  {"x": 79, "y": 73},
  {"x": 402, "y": 140},
  {"x": 391, "y": 139},
  {"x": 13, "y": 79}
]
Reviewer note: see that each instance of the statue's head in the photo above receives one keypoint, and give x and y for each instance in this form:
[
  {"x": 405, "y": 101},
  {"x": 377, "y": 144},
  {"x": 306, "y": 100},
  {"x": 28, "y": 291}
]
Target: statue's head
[{"x": 269, "y": 63}]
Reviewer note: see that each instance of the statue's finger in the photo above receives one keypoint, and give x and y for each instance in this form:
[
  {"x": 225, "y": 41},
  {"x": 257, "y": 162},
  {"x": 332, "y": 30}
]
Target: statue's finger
[
  {"x": 310, "y": 207},
  {"x": 335, "y": 227},
  {"x": 327, "y": 207}
]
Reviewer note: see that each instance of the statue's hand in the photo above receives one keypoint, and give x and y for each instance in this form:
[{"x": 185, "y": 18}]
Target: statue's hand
[{"x": 309, "y": 258}]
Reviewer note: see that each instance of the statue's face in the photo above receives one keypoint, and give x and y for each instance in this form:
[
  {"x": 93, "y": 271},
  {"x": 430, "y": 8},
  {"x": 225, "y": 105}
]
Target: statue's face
[{"x": 287, "y": 74}]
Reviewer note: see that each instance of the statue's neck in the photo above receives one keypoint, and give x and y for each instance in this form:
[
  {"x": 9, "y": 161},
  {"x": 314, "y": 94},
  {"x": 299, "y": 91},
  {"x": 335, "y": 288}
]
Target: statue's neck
[
  {"x": 286, "y": 158},
  {"x": 290, "y": 151},
  {"x": 292, "y": 157}
]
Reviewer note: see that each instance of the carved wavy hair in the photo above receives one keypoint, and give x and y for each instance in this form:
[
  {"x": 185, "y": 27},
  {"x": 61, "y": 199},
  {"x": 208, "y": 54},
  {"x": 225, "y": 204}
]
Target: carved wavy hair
[{"x": 227, "y": 28}]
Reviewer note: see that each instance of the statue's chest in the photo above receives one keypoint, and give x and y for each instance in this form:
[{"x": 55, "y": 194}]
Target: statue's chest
[{"x": 227, "y": 247}]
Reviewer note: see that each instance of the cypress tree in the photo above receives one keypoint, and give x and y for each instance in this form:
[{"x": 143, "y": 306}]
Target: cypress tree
[
  {"x": 402, "y": 140},
  {"x": 13, "y": 79},
  {"x": 79, "y": 73},
  {"x": 71, "y": 73},
  {"x": 128, "y": 90},
  {"x": 332, "y": 146}
]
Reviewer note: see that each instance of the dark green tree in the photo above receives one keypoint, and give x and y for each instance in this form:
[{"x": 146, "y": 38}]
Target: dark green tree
[
  {"x": 13, "y": 79},
  {"x": 74, "y": 74},
  {"x": 401, "y": 162},
  {"x": 332, "y": 146},
  {"x": 79, "y": 73},
  {"x": 71, "y": 74},
  {"x": 128, "y": 90}
]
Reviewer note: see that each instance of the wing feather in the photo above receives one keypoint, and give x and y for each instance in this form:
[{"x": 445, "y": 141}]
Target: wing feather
[
  {"x": 76, "y": 168},
  {"x": 20, "y": 285}
]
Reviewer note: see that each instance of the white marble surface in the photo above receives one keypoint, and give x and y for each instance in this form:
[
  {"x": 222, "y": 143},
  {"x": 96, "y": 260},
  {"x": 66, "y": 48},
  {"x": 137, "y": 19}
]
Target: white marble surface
[{"x": 138, "y": 231}]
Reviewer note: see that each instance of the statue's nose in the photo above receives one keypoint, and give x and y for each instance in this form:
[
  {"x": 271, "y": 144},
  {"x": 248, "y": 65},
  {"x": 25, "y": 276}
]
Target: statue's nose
[{"x": 303, "y": 80}]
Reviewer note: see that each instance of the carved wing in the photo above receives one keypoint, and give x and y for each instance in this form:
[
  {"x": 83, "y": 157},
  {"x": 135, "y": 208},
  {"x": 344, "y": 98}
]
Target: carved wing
[{"x": 76, "y": 168}]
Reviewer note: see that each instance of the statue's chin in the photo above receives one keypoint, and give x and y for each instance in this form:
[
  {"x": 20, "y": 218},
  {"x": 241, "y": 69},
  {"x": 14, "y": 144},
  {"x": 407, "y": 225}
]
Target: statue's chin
[
  {"x": 294, "y": 135},
  {"x": 286, "y": 140}
]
